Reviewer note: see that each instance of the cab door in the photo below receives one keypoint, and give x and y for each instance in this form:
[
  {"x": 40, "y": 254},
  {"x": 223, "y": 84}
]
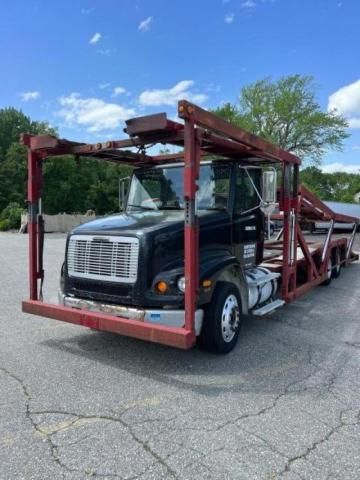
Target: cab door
[{"x": 248, "y": 219}]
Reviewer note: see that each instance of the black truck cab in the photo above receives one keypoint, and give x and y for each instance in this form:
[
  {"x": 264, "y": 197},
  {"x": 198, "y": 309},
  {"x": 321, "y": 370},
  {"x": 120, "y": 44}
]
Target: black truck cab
[{"x": 132, "y": 262}]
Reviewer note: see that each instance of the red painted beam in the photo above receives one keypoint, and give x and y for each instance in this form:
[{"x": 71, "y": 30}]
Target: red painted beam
[
  {"x": 310, "y": 203},
  {"x": 216, "y": 124},
  {"x": 174, "y": 337}
]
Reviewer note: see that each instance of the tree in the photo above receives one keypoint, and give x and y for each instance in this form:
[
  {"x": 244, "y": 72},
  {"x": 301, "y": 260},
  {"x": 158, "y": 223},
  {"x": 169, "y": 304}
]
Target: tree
[
  {"x": 13, "y": 170},
  {"x": 286, "y": 113},
  {"x": 338, "y": 186},
  {"x": 13, "y": 123},
  {"x": 13, "y": 175},
  {"x": 72, "y": 186}
]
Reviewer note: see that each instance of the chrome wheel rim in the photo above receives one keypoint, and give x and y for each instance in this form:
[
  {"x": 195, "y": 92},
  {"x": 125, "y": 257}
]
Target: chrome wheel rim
[
  {"x": 329, "y": 268},
  {"x": 230, "y": 318},
  {"x": 337, "y": 265}
]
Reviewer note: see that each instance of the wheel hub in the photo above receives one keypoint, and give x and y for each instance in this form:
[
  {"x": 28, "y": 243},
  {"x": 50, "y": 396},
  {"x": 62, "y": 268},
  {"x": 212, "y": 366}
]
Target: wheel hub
[{"x": 230, "y": 318}]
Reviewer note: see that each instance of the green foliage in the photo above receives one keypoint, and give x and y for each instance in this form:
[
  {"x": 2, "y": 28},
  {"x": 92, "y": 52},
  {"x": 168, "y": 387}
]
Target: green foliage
[
  {"x": 338, "y": 186},
  {"x": 286, "y": 113},
  {"x": 13, "y": 175},
  {"x": 13, "y": 172},
  {"x": 13, "y": 123},
  {"x": 12, "y": 215},
  {"x": 70, "y": 186},
  {"x": 4, "y": 225}
]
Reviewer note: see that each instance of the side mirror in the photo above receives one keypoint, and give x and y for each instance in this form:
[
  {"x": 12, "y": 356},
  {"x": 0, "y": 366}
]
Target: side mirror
[
  {"x": 123, "y": 189},
  {"x": 269, "y": 186}
]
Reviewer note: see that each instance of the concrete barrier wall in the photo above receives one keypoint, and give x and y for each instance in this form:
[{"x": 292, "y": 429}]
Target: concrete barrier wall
[{"x": 62, "y": 223}]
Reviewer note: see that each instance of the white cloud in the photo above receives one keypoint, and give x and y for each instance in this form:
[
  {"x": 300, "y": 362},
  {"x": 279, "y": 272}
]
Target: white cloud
[
  {"x": 95, "y": 38},
  {"x": 354, "y": 122},
  {"x": 340, "y": 167},
  {"x": 229, "y": 18},
  {"x": 346, "y": 101},
  {"x": 356, "y": 148},
  {"x": 172, "y": 95},
  {"x": 26, "y": 96},
  {"x": 144, "y": 25},
  {"x": 92, "y": 113},
  {"x": 104, "y": 86},
  {"x": 248, "y": 4},
  {"x": 118, "y": 91}
]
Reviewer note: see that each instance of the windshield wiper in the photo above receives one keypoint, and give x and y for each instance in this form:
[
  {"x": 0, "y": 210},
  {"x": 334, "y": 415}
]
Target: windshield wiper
[
  {"x": 170, "y": 207},
  {"x": 141, "y": 207}
]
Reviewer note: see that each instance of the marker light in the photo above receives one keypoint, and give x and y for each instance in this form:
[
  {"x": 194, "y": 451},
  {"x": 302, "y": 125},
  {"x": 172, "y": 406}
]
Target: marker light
[
  {"x": 161, "y": 287},
  {"x": 206, "y": 283}
]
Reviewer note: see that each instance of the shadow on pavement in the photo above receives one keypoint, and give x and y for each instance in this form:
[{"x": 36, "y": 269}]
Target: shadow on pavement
[{"x": 261, "y": 361}]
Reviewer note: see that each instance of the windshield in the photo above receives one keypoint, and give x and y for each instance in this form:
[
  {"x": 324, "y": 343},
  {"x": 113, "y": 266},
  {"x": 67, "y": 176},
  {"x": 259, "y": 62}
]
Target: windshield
[{"x": 162, "y": 188}]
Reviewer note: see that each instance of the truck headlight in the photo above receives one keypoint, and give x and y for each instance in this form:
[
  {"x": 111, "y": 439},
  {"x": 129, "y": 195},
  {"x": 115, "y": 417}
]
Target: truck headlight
[{"x": 181, "y": 284}]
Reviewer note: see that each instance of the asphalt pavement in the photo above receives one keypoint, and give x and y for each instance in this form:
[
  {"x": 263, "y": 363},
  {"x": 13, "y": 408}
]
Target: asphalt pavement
[{"x": 80, "y": 404}]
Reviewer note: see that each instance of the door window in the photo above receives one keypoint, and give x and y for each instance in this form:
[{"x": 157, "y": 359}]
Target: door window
[{"x": 246, "y": 197}]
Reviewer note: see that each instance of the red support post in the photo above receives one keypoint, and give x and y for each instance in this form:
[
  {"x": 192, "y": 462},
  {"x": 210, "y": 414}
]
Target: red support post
[
  {"x": 286, "y": 206},
  {"x": 294, "y": 235},
  {"x": 191, "y": 229},
  {"x": 34, "y": 188}
]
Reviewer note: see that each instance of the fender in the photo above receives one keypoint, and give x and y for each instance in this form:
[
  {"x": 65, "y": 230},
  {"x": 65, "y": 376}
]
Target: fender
[
  {"x": 222, "y": 267},
  {"x": 214, "y": 265}
]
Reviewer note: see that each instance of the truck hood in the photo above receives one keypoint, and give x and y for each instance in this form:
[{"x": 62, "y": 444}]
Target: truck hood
[
  {"x": 133, "y": 224},
  {"x": 161, "y": 249}
]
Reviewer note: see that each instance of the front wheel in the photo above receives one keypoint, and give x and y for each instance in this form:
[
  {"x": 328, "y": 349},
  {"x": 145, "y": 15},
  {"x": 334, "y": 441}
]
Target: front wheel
[{"x": 222, "y": 320}]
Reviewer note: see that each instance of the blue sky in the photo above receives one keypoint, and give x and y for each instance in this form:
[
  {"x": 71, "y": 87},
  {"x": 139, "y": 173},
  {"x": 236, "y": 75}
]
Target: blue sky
[{"x": 85, "y": 66}]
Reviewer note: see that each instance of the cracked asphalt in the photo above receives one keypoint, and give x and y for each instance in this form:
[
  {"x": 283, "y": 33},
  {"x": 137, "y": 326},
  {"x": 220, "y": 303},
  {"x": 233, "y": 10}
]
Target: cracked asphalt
[{"x": 79, "y": 404}]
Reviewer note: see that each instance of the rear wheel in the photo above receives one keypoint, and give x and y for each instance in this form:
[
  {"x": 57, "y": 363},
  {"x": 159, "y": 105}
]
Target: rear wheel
[
  {"x": 337, "y": 264},
  {"x": 222, "y": 320},
  {"x": 327, "y": 281}
]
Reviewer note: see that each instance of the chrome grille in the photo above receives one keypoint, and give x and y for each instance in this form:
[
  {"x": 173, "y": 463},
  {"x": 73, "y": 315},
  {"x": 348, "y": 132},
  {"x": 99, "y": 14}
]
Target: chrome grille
[{"x": 114, "y": 259}]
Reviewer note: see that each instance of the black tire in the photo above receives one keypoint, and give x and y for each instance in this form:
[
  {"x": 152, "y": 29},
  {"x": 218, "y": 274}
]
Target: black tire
[
  {"x": 220, "y": 331},
  {"x": 329, "y": 273},
  {"x": 336, "y": 271}
]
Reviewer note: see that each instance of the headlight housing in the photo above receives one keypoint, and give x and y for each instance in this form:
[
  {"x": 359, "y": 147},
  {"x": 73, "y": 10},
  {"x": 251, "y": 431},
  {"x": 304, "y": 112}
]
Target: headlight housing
[{"x": 181, "y": 284}]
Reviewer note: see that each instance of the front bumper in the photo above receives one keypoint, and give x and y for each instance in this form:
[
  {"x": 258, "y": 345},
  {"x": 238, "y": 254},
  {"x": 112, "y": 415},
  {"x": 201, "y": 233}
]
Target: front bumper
[
  {"x": 170, "y": 318},
  {"x": 151, "y": 332}
]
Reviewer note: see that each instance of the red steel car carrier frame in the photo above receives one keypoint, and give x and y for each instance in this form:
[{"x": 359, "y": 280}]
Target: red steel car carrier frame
[{"x": 201, "y": 134}]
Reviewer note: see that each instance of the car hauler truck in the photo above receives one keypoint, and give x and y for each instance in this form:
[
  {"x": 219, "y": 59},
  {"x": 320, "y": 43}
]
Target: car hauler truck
[{"x": 187, "y": 257}]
